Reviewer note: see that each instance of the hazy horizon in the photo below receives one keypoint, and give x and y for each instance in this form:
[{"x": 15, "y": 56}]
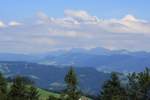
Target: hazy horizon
[{"x": 33, "y": 26}]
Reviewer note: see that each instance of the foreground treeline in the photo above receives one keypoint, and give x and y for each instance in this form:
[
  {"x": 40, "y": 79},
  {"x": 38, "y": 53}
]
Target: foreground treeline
[
  {"x": 135, "y": 87},
  {"x": 22, "y": 88},
  {"x": 18, "y": 89}
]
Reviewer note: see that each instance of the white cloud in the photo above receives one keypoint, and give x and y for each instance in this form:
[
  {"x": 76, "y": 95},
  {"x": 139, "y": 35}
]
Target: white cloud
[
  {"x": 135, "y": 25},
  {"x": 130, "y": 18},
  {"x": 76, "y": 29},
  {"x": 2, "y": 25},
  {"x": 14, "y": 23},
  {"x": 80, "y": 16}
]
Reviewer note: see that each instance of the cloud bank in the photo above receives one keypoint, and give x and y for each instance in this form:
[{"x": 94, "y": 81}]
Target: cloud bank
[{"x": 76, "y": 29}]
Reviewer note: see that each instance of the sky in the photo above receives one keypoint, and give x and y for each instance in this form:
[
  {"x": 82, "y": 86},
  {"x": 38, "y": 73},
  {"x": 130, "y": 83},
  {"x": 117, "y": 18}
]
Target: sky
[{"x": 29, "y": 26}]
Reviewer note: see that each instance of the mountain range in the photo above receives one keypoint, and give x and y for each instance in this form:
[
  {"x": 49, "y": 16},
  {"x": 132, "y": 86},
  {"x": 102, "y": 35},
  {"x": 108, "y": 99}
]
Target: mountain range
[
  {"x": 93, "y": 66},
  {"x": 99, "y": 58}
]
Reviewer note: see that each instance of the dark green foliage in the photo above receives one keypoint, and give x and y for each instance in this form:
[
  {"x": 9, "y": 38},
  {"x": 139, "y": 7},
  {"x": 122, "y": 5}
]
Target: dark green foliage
[
  {"x": 21, "y": 91},
  {"x": 3, "y": 88},
  {"x": 136, "y": 88},
  {"x": 139, "y": 85},
  {"x": 71, "y": 78},
  {"x": 33, "y": 93},
  {"x": 72, "y": 92},
  {"x": 132, "y": 86},
  {"x": 112, "y": 89},
  {"x": 18, "y": 90}
]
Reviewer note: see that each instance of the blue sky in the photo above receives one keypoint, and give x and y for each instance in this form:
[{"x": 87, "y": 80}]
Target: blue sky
[
  {"x": 18, "y": 9},
  {"x": 29, "y": 26}
]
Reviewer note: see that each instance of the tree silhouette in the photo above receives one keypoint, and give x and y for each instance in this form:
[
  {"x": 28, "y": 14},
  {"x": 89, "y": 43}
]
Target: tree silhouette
[
  {"x": 139, "y": 85},
  {"x": 18, "y": 90},
  {"x": 72, "y": 92},
  {"x": 33, "y": 93},
  {"x": 3, "y": 88},
  {"x": 112, "y": 89}
]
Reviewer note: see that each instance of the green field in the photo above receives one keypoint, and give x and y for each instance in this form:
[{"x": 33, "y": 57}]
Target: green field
[{"x": 45, "y": 94}]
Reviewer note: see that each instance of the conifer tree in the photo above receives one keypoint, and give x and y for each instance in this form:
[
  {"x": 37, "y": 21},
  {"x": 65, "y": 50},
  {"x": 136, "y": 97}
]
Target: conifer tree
[
  {"x": 132, "y": 86},
  {"x": 18, "y": 90},
  {"x": 33, "y": 93},
  {"x": 139, "y": 85},
  {"x": 144, "y": 83},
  {"x": 72, "y": 92},
  {"x": 3, "y": 88},
  {"x": 112, "y": 89}
]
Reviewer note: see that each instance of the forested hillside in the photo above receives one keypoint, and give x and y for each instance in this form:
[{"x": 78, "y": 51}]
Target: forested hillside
[
  {"x": 51, "y": 77},
  {"x": 137, "y": 87}
]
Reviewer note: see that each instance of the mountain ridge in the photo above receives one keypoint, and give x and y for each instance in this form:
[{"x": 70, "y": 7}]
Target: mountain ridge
[{"x": 99, "y": 58}]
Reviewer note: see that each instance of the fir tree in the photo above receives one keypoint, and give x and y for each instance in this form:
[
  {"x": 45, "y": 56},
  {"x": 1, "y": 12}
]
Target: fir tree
[
  {"x": 3, "y": 88},
  {"x": 139, "y": 85},
  {"x": 33, "y": 93},
  {"x": 112, "y": 89},
  {"x": 18, "y": 90},
  {"x": 72, "y": 92},
  {"x": 144, "y": 83}
]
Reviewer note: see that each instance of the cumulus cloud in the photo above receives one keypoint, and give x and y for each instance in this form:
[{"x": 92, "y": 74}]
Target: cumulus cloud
[
  {"x": 135, "y": 25},
  {"x": 2, "y": 24},
  {"x": 14, "y": 23},
  {"x": 80, "y": 16},
  {"x": 76, "y": 29}
]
